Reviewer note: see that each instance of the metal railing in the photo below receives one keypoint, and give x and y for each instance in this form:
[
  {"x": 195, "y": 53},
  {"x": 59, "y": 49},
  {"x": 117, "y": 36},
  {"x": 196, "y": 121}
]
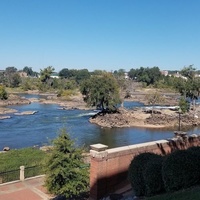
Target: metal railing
[
  {"x": 20, "y": 174},
  {"x": 33, "y": 171},
  {"x": 8, "y": 176}
]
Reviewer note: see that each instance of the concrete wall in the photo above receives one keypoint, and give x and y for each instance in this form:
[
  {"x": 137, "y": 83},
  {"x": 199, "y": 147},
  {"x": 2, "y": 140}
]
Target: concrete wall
[{"x": 109, "y": 167}]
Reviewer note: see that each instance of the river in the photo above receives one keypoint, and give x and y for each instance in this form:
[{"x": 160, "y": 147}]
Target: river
[{"x": 39, "y": 129}]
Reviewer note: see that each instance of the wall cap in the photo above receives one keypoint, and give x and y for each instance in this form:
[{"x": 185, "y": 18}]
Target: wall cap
[{"x": 98, "y": 147}]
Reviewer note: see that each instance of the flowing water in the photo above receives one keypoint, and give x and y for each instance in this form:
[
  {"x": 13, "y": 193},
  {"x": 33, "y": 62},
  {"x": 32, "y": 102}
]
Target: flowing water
[{"x": 40, "y": 128}]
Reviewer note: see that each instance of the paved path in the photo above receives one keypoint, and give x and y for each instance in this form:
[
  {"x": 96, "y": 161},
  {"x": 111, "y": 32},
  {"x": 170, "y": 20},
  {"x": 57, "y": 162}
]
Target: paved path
[{"x": 31, "y": 189}]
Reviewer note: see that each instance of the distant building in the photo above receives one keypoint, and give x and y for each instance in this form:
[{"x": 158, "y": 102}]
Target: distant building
[
  {"x": 164, "y": 72},
  {"x": 54, "y": 75},
  {"x": 178, "y": 75},
  {"x": 126, "y": 75}
]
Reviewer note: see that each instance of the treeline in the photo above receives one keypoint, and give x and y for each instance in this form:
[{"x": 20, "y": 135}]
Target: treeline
[{"x": 100, "y": 88}]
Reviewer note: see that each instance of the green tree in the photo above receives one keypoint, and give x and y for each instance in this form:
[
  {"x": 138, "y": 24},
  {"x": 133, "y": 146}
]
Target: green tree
[
  {"x": 66, "y": 174},
  {"x": 12, "y": 78},
  {"x": 28, "y": 70},
  {"x": 65, "y": 73},
  {"x": 184, "y": 105},
  {"x": 3, "y": 93},
  {"x": 190, "y": 86},
  {"x": 98, "y": 72},
  {"x": 119, "y": 73},
  {"x": 188, "y": 72},
  {"x": 81, "y": 75},
  {"x": 101, "y": 91},
  {"x": 45, "y": 74},
  {"x": 154, "y": 98},
  {"x": 15, "y": 80},
  {"x": 146, "y": 75}
]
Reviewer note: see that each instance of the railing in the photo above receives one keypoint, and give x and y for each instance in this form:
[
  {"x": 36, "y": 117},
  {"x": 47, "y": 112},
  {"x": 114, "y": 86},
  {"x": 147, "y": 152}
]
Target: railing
[
  {"x": 25, "y": 172},
  {"x": 8, "y": 176},
  {"x": 20, "y": 174},
  {"x": 33, "y": 171}
]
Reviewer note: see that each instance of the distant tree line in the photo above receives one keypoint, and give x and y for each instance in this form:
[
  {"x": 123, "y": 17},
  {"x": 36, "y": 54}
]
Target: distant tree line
[{"x": 100, "y": 88}]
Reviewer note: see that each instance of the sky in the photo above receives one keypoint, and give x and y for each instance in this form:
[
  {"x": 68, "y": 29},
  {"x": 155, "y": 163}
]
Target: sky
[{"x": 99, "y": 34}]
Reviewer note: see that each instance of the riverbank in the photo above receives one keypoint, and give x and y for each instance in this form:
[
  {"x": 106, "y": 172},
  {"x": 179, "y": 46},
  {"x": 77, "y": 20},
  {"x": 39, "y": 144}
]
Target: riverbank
[
  {"x": 161, "y": 118},
  {"x": 74, "y": 102}
]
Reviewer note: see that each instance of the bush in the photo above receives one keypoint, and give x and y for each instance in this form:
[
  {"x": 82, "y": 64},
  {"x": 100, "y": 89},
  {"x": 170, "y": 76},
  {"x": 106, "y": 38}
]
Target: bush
[
  {"x": 66, "y": 173},
  {"x": 136, "y": 172},
  {"x": 3, "y": 93},
  {"x": 153, "y": 176},
  {"x": 180, "y": 170}
]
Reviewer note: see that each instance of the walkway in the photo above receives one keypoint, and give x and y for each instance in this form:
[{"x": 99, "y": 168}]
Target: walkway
[{"x": 30, "y": 189}]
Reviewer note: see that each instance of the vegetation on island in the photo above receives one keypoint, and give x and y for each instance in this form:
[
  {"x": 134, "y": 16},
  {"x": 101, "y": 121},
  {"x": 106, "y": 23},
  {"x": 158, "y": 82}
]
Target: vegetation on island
[{"x": 101, "y": 91}]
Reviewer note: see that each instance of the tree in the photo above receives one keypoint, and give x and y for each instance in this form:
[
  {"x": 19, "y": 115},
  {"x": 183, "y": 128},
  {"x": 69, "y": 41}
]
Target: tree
[
  {"x": 12, "y": 78},
  {"x": 3, "y": 93},
  {"x": 29, "y": 71},
  {"x": 101, "y": 91},
  {"x": 15, "y": 80},
  {"x": 154, "y": 98},
  {"x": 184, "y": 105},
  {"x": 189, "y": 87},
  {"x": 65, "y": 73},
  {"x": 188, "y": 72},
  {"x": 146, "y": 75},
  {"x": 98, "y": 72},
  {"x": 45, "y": 74},
  {"x": 119, "y": 73},
  {"x": 66, "y": 173},
  {"x": 81, "y": 75}
]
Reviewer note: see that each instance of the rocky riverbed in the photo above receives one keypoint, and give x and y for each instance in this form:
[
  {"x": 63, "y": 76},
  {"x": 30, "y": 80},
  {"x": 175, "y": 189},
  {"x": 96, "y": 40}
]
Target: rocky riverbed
[
  {"x": 123, "y": 118},
  {"x": 141, "y": 118}
]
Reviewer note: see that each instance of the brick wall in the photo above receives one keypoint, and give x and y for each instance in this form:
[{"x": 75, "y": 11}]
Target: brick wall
[{"x": 109, "y": 167}]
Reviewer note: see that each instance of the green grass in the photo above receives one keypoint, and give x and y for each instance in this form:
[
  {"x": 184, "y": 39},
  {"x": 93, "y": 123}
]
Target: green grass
[
  {"x": 13, "y": 159},
  {"x": 187, "y": 194}
]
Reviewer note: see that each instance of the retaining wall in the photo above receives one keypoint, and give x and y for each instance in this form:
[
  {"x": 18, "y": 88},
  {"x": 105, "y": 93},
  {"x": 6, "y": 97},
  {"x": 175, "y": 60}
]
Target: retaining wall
[{"x": 109, "y": 167}]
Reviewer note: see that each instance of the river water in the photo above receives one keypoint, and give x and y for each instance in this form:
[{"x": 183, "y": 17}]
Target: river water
[{"x": 40, "y": 128}]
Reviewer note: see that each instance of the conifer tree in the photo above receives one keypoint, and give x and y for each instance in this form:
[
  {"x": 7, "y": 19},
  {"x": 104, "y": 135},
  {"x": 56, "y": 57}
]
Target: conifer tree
[{"x": 66, "y": 174}]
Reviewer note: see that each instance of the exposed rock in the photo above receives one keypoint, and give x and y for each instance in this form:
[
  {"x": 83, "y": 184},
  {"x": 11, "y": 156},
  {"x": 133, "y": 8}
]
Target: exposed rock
[
  {"x": 6, "y": 149},
  {"x": 14, "y": 100},
  {"x": 26, "y": 113},
  {"x": 5, "y": 117},
  {"x": 128, "y": 118}
]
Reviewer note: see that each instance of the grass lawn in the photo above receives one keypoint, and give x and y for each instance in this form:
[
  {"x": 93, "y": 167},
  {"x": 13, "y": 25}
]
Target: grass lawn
[
  {"x": 13, "y": 159},
  {"x": 10, "y": 162},
  {"x": 188, "y": 194}
]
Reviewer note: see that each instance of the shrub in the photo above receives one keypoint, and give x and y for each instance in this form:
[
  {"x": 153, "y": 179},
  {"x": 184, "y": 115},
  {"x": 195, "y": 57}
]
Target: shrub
[
  {"x": 153, "y": 176},
  {"x": 3, "y": 93},
  {"x": 180, "y": 170},
  {"x": 136, "y": 172},
  {"x": 66, "y": 173}
]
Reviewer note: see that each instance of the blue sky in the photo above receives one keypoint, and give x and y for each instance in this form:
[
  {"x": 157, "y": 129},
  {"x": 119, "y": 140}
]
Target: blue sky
[{"x": 99, "y": 34}]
